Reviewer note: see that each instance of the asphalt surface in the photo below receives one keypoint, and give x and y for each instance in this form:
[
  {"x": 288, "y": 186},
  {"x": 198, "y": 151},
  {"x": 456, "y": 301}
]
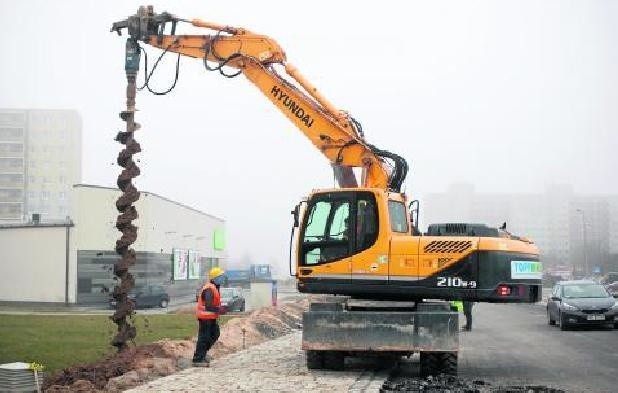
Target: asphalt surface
[{"x": 513, "y": 345}]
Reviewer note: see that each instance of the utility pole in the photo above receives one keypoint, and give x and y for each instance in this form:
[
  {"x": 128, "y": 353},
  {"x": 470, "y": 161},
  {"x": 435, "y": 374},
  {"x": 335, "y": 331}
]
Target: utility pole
[{"x": 584, "y": 238}]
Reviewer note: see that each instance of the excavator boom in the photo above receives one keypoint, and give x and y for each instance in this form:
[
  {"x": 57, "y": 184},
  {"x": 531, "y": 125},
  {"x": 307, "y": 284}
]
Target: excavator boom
[{"x": 333, "y": 132}]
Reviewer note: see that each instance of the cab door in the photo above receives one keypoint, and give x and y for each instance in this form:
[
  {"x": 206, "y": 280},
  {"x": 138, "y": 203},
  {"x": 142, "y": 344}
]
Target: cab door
[
  {"x": 403, "y": 259},
  {"x": 371, "y": 245}
]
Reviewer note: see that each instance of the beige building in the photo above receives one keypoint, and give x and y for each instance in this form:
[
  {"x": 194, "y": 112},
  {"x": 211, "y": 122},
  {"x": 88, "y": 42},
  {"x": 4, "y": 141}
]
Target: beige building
[
  {"x": 40, "y": 159},
  {"x": 71, "y": 262}
]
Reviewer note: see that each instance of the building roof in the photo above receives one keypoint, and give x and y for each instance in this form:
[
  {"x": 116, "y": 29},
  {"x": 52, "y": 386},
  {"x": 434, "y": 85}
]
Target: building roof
[
  {"x": 155, "y": 195},
  {"x": 37, "y": 225}
]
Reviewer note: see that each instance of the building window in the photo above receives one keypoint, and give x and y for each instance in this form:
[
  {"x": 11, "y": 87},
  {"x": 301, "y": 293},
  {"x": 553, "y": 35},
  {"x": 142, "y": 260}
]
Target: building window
[
  {"x": 11, "y": 133},
  {"x": 11, "y": 148},
  {"x": 11, "y": 178},
  {"x": 84, "y": 285},
  {"x": 45, "y": 195},
  {"x": 11, "y": 163},
  {"x": 32, "y": 194},
  {"x": 12, "y": 118},
  {"x": 62, "y": 179},
  {"x": 31, "y": 179},
  {"x": 10, "y": 194}
]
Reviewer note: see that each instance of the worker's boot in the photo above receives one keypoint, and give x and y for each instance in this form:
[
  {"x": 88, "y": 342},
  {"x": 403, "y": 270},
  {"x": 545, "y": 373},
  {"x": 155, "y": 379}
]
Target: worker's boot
[{"x": 202, "y": 363}]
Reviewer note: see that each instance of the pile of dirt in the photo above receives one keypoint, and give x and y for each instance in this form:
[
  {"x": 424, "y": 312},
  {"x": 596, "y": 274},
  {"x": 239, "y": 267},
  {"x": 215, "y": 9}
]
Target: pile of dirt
[
  {"x": 452, "y": 384},
  {"x": 142, "y": 363}
]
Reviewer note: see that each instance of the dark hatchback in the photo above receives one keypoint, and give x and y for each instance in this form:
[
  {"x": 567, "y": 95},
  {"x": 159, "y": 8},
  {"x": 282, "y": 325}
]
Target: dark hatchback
[
  {"x": 581, "y": 302},
  {"x": 147, "y": 296},
  {"x": 232, "y": 299}
]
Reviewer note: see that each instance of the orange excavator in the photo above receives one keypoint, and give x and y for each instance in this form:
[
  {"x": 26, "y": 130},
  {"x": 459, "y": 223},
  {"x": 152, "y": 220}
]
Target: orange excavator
[{"x": 360, "y": 240}]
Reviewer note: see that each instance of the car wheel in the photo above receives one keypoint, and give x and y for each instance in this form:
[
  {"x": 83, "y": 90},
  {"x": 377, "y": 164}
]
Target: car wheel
[
  {"x": 163, "y": 303},
  {"x": 549, "y": 320},
  {"x": 563, "y": 323}
]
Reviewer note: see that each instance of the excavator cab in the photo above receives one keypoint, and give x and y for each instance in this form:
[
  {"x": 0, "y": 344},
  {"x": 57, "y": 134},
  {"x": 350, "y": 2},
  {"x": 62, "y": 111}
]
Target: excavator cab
[{"x": 363, "y": 243}]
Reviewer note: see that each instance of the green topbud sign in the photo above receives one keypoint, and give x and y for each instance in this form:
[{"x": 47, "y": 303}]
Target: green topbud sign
[{"x": 528, "y": 270}]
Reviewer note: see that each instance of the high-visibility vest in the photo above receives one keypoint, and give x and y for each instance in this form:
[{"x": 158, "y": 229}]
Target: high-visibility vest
[
  {"x": 200, "y": 311},
  {"x": 458, "y": 304}
]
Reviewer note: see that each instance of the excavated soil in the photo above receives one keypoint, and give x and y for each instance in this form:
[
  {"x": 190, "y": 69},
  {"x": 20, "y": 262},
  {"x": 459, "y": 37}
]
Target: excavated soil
[
  {"x": 139, "y": 364},
  {"x": 452, "y": 384}
]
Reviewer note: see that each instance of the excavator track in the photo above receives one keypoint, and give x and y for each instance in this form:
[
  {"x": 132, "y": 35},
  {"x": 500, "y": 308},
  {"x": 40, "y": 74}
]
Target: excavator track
[{"x": 124, "y": 204}]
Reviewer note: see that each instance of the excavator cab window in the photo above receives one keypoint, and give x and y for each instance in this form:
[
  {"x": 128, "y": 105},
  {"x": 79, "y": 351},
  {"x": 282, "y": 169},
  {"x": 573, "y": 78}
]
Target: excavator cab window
[
  {"x": 366, "y": 221},
  {"x": 337, "y": 226},
  {"x": 327, "y": 234},
  {"x": 398, "y": 217}
]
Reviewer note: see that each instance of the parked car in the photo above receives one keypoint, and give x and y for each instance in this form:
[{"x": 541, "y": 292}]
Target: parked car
[
  {"x": 581, "y": 302},
  {"x": 232, "y": 299},
  {"x": 147, "y": 296}
]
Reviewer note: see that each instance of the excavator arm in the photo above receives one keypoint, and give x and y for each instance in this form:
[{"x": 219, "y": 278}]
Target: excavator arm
[{"x": 333, "y": 132}]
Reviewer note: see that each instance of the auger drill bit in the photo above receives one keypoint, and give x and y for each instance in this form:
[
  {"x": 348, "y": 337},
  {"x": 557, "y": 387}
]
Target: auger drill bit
[{"x": 126, "y": 307}]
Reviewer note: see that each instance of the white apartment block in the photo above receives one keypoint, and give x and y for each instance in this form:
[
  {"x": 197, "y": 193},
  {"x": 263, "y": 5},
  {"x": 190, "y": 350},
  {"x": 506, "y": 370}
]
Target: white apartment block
[{"x": 40, "y": 160}]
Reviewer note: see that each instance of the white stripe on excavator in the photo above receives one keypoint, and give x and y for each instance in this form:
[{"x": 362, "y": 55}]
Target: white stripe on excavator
[
  {"x": 407, "y": 278},
  {"x": 335, "y": 276},
  {"x": 366, "y": 277}
]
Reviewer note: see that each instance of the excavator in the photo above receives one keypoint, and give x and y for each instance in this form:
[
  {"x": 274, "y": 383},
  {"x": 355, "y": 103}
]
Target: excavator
[{"x": 359, "y": 244}]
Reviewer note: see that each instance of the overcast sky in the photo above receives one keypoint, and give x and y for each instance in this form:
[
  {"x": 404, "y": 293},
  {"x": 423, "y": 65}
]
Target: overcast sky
[{"x": 506, "y": 95}]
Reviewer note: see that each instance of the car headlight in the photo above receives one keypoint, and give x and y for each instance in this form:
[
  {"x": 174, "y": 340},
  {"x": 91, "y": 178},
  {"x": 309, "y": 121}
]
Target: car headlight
[
  {"x": 567, "y": 306},
  {"x": 615, "y": 306}
]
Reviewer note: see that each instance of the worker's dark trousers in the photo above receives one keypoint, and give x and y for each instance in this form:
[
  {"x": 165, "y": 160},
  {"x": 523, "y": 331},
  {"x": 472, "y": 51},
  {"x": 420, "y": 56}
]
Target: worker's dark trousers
[
  {"x": 467, "y": 309},
  {"x": 207, "y": 336}
]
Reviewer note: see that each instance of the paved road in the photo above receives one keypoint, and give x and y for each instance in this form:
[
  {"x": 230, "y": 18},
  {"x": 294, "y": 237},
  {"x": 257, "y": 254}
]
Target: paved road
[{"x": 513, "y": 344}]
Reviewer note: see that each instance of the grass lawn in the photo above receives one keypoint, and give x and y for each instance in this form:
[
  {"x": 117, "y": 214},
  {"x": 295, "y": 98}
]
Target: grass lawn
[{"x": 64, "y": 340}]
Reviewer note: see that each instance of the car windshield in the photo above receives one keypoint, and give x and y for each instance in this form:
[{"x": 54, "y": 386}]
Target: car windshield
[
  {"x": 227, "y": 292},
  {"x": 584, "y": 291}
]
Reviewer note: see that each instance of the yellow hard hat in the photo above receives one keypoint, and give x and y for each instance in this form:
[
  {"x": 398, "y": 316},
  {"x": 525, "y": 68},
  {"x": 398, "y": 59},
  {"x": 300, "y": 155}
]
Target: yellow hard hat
[{"x": 215, "y": 272}]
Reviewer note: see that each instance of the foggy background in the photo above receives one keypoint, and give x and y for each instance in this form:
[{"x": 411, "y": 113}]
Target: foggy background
[{"x": 509, "y": 96}]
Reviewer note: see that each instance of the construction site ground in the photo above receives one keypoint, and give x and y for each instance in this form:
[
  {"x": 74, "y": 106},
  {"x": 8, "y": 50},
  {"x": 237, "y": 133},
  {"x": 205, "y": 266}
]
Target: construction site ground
[{"x": 510, "y": 349}]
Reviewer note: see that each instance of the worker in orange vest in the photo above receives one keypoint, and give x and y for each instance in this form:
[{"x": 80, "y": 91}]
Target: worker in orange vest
[{"x": 207, "y": 311}]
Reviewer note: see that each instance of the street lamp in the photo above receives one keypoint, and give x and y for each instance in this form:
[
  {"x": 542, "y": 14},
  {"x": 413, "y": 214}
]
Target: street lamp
[{"x": 584, "y": 238}]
